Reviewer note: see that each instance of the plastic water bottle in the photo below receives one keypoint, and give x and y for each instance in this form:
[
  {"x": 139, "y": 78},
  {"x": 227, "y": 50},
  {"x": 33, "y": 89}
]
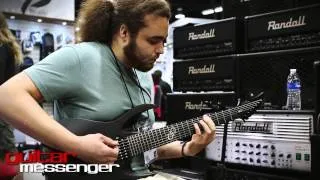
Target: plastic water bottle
[{"x": 294, "y": 91}]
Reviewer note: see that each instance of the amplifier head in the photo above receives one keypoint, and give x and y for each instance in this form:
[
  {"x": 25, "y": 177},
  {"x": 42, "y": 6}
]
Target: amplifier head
[
  {"x": 285, "y": 29},
  {"x": 217, "y": 38},
  {"x": 268, "y": 72},
  {"x": 183, "y": 106},
  {"x": 207, "y": 74}
]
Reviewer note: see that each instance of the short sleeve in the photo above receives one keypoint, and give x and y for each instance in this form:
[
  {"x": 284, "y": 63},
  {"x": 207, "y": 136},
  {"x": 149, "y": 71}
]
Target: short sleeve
[{"x": 58, "y": 75}]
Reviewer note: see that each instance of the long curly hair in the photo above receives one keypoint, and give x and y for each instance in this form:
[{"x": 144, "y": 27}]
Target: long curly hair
[
  {"x": 6, "y": 37},
  {"x": 99, "y": 20}
]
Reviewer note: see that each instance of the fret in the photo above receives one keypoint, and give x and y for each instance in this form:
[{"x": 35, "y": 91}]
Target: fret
[
  {"x": 181, "y": 130},
  {"x": 127, "y": 147},
  {"x": 183, "y": 127},
  {"x": 177, "y": 128},
  {"x": 154, "y": 141},
  {"x": 217, "y": 118},
  {"x": 223, "y": 116},
  {"x": 135, "y": 141},
  {"x": 174, "y": 131},
  {"x": 187, "y": 124},
  {"x": 149, "y": 139},
  {"x": 159, "y": 136},
  {"x": 230, "y": 114},
  {"x": 164, "y": 138},
  {"x": 186, "y": 129},
  {"x": 145, "y": 141},
  {"x": 133, "y": 149},
  {"x": 194, "y": 121},
  {"x": 139, "y": 140},
  {"x": 122, "y": 148},
  {"x": 139, "y": 143},
  {"x": 238, "y": 109},
  {"x": 166, "y": 132},
  {"x": 155, "y": 137}
]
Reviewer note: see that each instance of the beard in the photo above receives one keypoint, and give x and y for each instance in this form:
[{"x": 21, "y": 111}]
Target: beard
[{"x": 135, "y": 58}]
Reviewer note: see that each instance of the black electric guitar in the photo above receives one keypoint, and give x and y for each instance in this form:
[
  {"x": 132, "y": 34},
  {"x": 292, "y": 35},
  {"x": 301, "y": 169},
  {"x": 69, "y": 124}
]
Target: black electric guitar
[{"x": 131, "y": 145}]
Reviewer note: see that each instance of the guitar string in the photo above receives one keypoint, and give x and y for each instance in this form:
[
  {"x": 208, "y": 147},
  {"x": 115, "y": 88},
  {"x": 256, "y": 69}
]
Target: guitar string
[
  {"x": 197, "y": 119},
  {"x": 184, "y": 132},
  {"x": 248, "y": 106}
]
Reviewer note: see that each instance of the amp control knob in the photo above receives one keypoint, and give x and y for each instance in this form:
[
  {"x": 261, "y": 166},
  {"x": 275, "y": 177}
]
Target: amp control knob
[{"x": 280, "y": 155}]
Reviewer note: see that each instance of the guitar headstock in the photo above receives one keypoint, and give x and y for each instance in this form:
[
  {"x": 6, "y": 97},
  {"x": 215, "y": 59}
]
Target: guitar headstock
[{"x": 246, "y": 110}]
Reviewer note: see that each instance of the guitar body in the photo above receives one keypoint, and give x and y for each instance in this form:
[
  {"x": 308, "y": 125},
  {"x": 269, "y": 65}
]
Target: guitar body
[
  {"x": 115, "y": 129},
  {"x": 133, "y": 144}
]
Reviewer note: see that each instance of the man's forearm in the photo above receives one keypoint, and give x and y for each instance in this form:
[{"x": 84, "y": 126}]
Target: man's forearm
[
  {"x": 19, "y": 109},
  {"x": 171, "y": 150}
]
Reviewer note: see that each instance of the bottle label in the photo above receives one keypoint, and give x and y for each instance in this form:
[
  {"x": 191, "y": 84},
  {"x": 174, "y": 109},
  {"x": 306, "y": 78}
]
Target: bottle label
[{"x": 293, "y": 86}]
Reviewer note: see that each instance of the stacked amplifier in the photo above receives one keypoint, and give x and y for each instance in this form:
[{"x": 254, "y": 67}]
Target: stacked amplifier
[
  {"x": 285, "y": 29},
  {"x": 274, "y": 43},
  {"x": 204, "y": 70},
  {"x": 218, "y": 38},
  {"x": 214, "y": 58},
  {"x": 197, "y": 50},
  {"x": 205, "y": 74}
]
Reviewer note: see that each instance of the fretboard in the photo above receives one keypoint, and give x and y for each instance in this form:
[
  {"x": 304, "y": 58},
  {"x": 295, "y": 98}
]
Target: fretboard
[{"x": 139, "y": 143}]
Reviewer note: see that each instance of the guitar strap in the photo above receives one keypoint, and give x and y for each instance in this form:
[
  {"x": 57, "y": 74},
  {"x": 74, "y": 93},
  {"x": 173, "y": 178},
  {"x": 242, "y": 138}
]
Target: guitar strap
[{"x": 141, "y": 124}]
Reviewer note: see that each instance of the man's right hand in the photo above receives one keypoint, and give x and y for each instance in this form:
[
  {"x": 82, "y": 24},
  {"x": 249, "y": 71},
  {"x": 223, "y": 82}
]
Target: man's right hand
[{"x": 97, "y": 148}]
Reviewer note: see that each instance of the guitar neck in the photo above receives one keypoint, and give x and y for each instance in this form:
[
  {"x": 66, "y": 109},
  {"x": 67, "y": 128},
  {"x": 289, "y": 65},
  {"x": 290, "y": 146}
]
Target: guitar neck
[
  {"x": 139, "y": 143},
  {"x": 142, "y": 142}
]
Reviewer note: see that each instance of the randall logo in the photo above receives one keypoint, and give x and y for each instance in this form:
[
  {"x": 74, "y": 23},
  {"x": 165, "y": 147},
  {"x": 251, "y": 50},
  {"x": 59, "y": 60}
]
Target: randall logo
[
  {"x": 273, "y": 25},
  {"x": 201, "y": 106},
  {"x": 204, "y": 70},
  {"x": 204, "y": 35},
  {"x": 252, "y": 127}
]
